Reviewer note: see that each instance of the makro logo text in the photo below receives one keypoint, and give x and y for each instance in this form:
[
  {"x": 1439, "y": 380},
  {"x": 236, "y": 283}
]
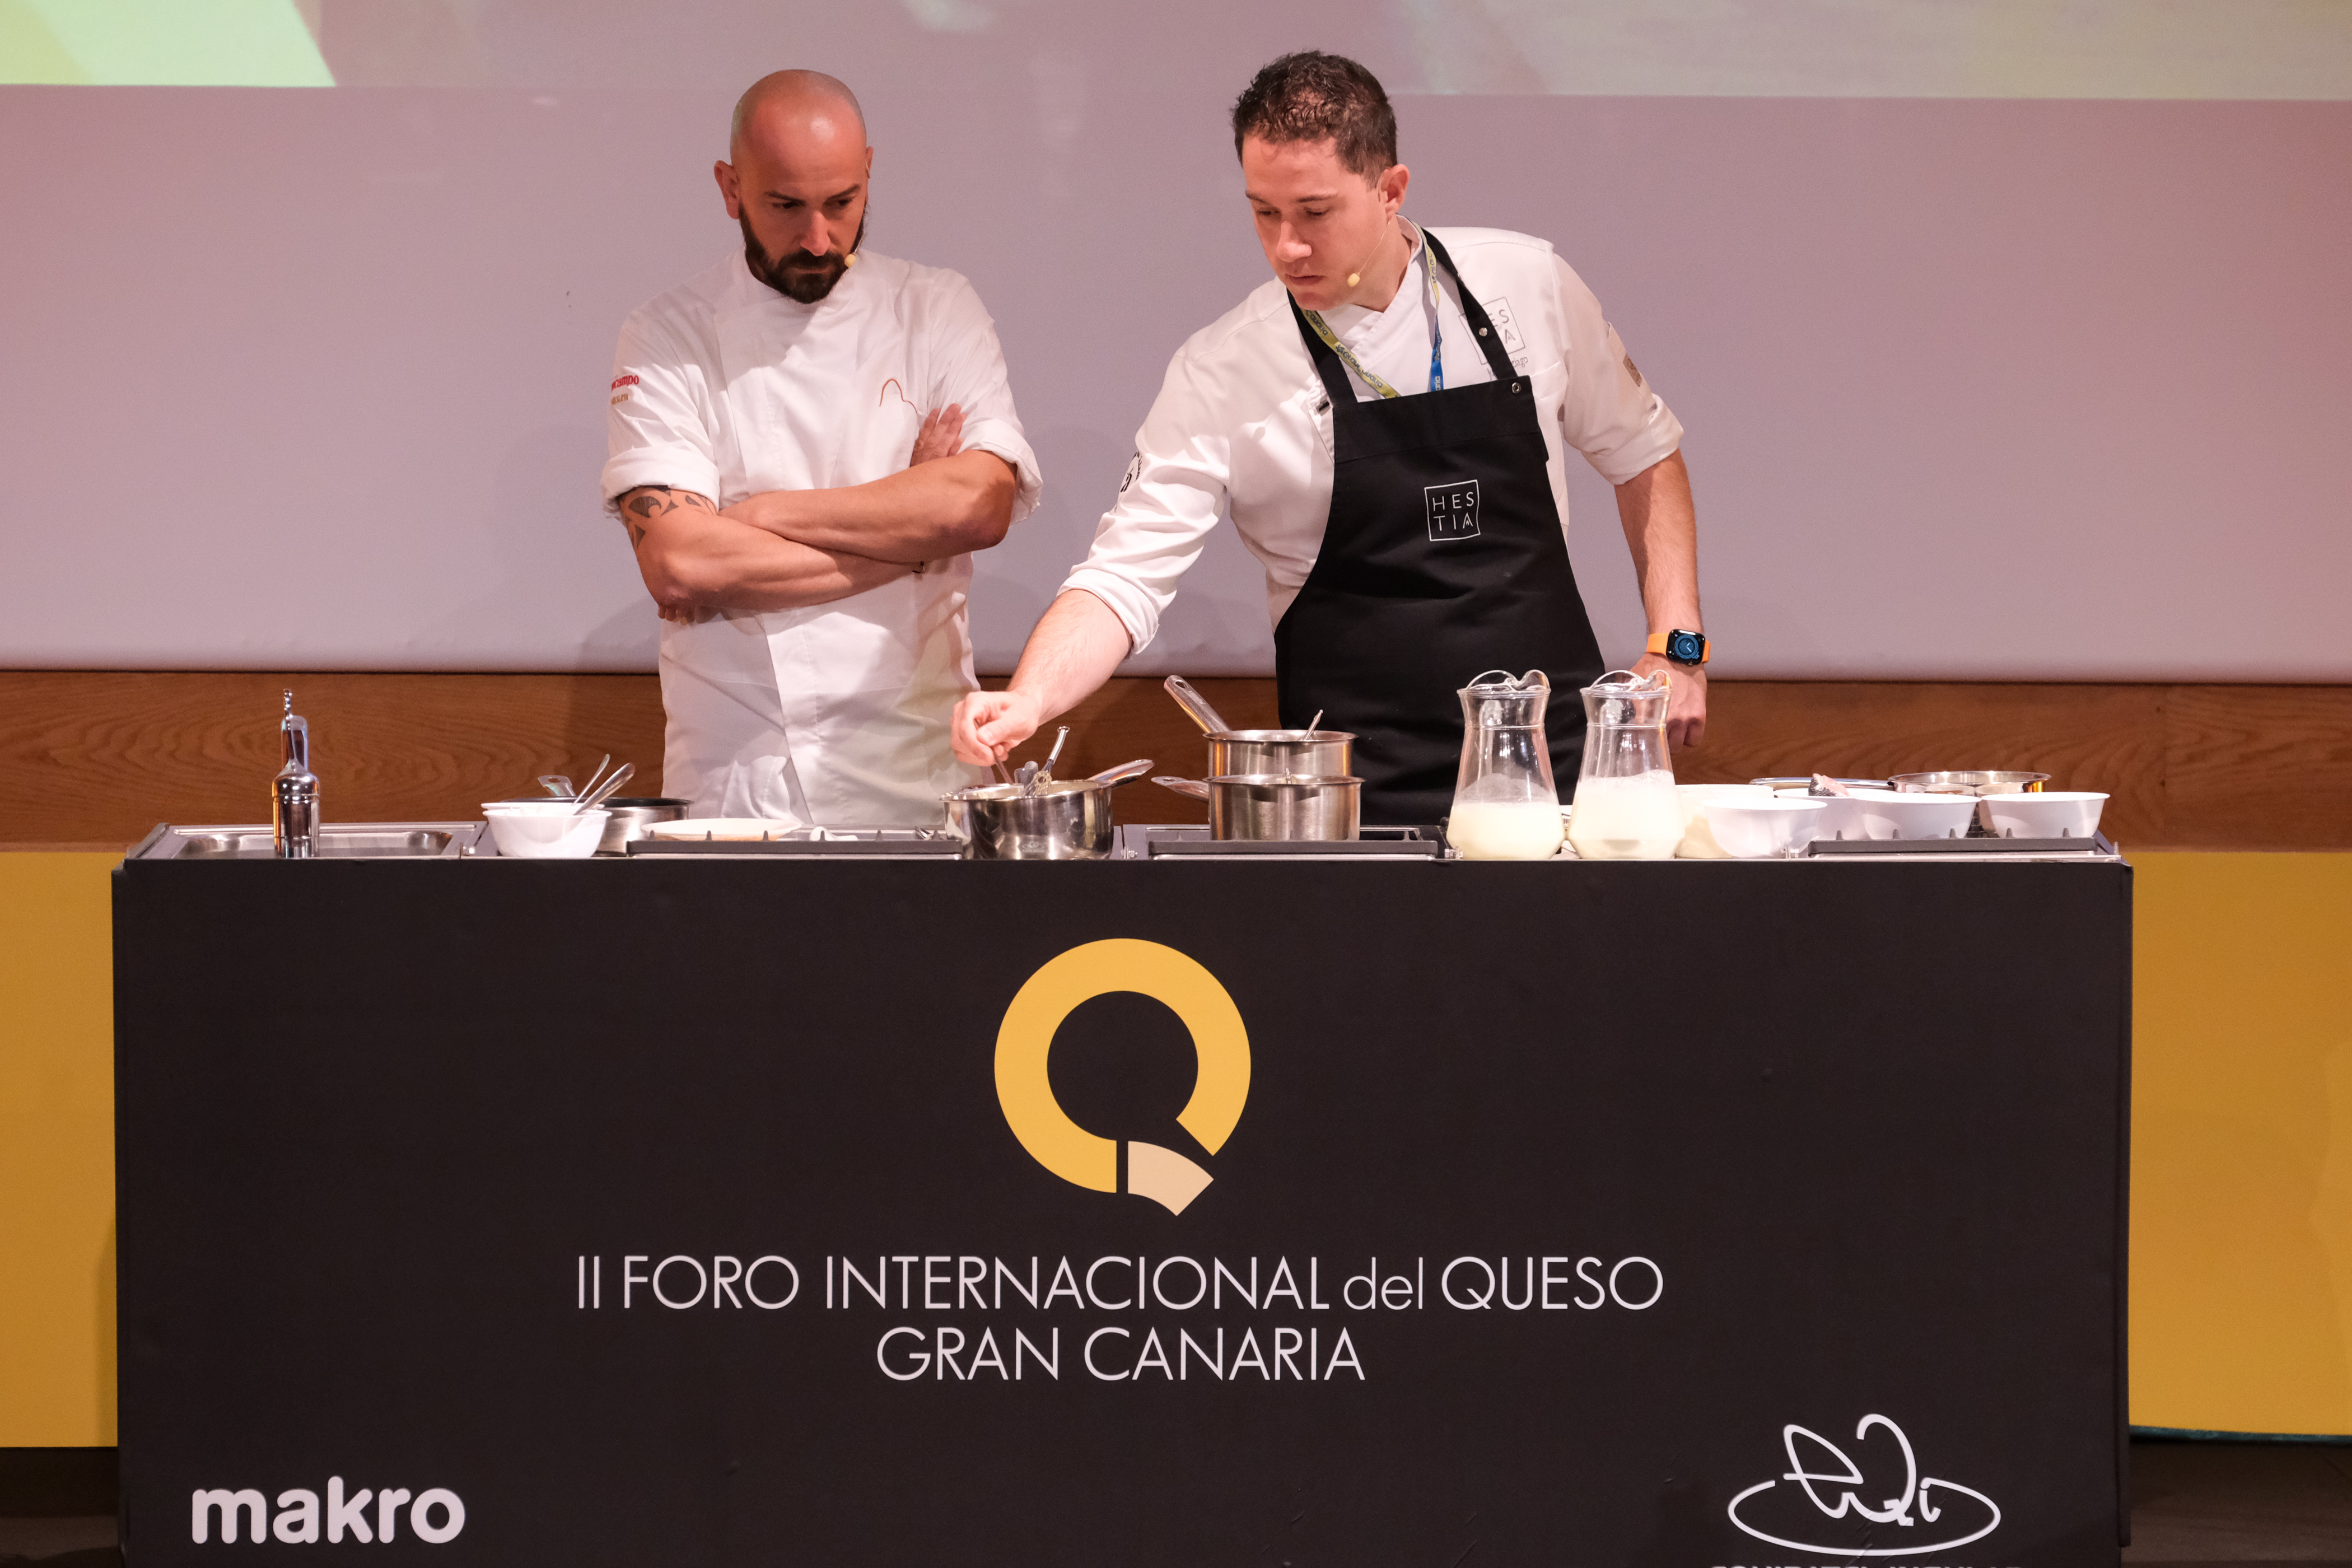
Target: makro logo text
[{"x": 435, "y": 1515}]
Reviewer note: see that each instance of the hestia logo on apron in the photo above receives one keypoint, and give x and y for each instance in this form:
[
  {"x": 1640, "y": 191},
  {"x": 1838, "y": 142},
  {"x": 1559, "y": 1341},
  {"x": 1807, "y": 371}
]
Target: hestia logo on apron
[{"x": 1452, "y": 510}]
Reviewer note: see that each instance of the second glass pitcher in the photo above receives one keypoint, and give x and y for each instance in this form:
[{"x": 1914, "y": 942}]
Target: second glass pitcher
[
  {"x": 1505, "y": 804},
  {"x": 1626, "y": 808}
]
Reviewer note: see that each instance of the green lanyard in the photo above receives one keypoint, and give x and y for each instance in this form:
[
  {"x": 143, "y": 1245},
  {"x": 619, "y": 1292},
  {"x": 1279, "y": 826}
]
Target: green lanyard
[{"x": 1436, "y": 335}]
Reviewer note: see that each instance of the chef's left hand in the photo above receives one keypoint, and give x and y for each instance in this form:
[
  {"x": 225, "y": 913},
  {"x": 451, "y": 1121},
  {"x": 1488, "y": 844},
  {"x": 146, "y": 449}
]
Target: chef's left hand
[
  {"x": 940, "y": 436},
  {"x": 1687, "y": 706}
]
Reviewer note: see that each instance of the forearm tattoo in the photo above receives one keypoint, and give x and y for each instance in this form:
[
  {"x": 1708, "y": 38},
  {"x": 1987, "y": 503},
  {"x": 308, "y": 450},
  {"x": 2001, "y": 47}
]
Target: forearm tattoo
[{"x": 646, "y": 503}]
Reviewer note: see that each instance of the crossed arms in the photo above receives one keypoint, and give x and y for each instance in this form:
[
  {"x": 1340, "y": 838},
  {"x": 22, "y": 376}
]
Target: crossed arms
[{"x": 781, "y": 550}]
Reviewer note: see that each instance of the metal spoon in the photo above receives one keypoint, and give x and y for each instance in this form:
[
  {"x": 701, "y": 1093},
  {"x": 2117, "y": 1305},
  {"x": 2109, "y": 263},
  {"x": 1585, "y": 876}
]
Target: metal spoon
[
  {"x": 606, "y": 790},
  {"x": 1004, "y": 773},
  {"x": 1211, "y": 721},
  {"x": 1045, "y": 773},
  {"x": 1314, "y": 723},
  {"x": 599, "y": 774}
]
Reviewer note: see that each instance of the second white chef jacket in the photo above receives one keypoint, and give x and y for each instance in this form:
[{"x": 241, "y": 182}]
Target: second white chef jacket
[
  {"x": 836, "y": 714},
  {"x": 1242, "y": 421}
]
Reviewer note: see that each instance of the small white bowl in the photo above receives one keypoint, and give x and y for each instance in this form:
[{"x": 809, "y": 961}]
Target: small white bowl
[
  {"x": 1698, "y": 840},
  {"x": 1887, "y": 813},
  {"x": 1754, "y": 830},
  {"x": 1847, "y": 817},
  {"x": 547, "y": 836},
  {"x": 2051, "y": 814}
]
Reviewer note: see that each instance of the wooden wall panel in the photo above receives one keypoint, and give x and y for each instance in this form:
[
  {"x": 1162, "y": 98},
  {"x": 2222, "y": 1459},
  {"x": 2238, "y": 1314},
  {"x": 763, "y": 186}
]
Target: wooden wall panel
[{"x": 98, "y": 758}]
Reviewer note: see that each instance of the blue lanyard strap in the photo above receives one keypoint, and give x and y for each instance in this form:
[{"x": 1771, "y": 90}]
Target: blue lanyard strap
[{"x": 1436, "y": 335}]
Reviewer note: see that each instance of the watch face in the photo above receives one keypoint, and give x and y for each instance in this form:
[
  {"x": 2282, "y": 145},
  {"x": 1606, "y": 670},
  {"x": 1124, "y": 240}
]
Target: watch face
[{"x": 1685, "y": 647}]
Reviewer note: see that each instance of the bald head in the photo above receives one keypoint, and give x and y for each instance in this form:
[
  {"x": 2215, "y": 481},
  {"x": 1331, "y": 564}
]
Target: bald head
[
  {"x": 786, "y": 107},
  {"x": 795, "y": 178}
]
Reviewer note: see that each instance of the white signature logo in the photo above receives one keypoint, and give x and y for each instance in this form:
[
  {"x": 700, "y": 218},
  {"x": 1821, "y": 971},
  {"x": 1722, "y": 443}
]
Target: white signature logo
[{"x": 1925, "y": 1499}]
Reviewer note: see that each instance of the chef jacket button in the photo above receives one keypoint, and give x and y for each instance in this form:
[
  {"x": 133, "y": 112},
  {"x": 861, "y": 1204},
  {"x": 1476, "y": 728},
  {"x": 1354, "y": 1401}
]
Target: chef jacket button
[{"x": 1482, "y": 331}]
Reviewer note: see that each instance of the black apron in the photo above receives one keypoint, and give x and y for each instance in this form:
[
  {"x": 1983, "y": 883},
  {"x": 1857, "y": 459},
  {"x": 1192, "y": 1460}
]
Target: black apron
[{"x": 1441, "y": 558}]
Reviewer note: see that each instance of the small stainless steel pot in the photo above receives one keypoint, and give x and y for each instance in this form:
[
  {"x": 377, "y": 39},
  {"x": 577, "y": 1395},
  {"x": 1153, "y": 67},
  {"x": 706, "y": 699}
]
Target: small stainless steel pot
[
  {"x": 1969, "y": 783},
  {"x": 1063, "y": 819},
  {"x": 633, "y": 817},
  {"x": 1277, "y": 806},
  {"x": 1281, "y": 753}
]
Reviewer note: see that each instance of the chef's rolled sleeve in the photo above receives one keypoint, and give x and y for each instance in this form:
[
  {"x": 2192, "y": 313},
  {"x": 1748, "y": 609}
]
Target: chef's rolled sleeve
[
  {"x": 1608, "y": 412},
  {"x": 969, "y": 370},
  {"x": 657, "y": 420}
]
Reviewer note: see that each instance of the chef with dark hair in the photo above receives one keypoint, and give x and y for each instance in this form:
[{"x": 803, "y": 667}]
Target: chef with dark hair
[{"x": 1387, "y": 421}]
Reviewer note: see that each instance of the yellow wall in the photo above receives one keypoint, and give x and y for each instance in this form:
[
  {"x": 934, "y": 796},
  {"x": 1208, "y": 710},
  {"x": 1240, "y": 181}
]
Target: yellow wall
[
  {"x": 2241, "y": 1127},
  {"x": 2242, "y": 1134},
  {"x": 56, "y": 1151}
]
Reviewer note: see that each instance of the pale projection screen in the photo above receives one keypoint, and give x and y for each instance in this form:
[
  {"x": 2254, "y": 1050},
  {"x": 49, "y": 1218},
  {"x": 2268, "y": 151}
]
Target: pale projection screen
[{"x": 2010, "y": 335}]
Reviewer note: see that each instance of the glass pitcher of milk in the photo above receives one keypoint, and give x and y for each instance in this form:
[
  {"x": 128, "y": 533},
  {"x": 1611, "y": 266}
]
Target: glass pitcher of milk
[
  {"x": 1626, "y": 808},
  {"x": 1506, "y": 805}
]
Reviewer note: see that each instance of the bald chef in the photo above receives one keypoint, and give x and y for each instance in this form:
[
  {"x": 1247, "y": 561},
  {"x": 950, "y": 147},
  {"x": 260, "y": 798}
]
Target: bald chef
[
  {"x": 1386, "y": 420},
  {"x": 808, "y": 440}
]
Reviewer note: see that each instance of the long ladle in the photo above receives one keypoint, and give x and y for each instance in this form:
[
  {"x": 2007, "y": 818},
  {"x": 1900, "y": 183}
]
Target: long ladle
[
  {"x": 606, "y": 790},
  {"x": 1212, "y": 723},
  {"x": 1045, "y": 773}
]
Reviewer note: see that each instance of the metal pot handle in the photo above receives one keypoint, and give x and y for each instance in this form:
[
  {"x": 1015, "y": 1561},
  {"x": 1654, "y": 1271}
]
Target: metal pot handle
[
  {"x": 1193, "y": 787},
  {"x": 1123, "y": 773},
  {"x": 1196, "y": 706}
]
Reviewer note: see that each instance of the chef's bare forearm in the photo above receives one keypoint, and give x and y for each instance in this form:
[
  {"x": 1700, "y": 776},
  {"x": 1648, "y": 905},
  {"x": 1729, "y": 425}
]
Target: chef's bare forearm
[
  {"x": 694, "y": 557},
  {"x": 1078, "y": 644},
  {"x": 1662, "y": 530},
  {"x": 927, "y": 512}
]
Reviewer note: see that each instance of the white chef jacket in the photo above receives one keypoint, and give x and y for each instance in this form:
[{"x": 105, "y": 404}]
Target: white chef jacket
[
  {"x": 1242, "y": 420},
  {"x": 836, "y": 714}
]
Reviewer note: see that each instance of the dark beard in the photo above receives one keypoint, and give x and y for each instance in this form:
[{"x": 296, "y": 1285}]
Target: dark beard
[{"x": 799, "y": 276}]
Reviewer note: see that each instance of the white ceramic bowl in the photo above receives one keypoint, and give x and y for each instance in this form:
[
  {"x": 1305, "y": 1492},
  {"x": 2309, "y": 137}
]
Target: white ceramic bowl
[
  {"x": 536, "y": 834},
  {"x": 1698, "y": 840},
  {"x": 2052, "y": 814},
  {"x": 1752, "y": 829},
  {"x": 1847, "y": 817},
  {"x": 1886, "y": 814}
]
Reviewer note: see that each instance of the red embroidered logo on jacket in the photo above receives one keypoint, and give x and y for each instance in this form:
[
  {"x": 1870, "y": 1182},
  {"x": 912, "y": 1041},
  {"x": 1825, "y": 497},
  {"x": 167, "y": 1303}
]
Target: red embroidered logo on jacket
[{"x": 621, "y": 381}]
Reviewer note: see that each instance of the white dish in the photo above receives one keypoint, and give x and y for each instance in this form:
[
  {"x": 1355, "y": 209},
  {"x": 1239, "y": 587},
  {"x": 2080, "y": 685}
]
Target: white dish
[
  {"x": 1698, "y": 840},
  {"x": 1754, "y": 830},
  {"x": 1888, "y": 815},
  {"x": 726, "y": 827},
  {"x": 2051, "y": 814},
  {"x": 1846, "y": 817},
  {"x": 548, "y": 836}
]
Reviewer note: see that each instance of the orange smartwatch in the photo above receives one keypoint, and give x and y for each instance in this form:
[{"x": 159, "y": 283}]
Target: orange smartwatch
[{"x": 1680, "y": 647}]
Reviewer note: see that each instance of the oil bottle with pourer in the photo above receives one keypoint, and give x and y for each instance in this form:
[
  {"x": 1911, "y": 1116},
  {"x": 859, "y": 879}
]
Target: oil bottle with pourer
[{"x": 294, "y": 804}]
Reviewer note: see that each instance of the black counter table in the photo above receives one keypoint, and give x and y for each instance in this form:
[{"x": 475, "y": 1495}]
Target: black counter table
[{"x": 692, "y": 1210}]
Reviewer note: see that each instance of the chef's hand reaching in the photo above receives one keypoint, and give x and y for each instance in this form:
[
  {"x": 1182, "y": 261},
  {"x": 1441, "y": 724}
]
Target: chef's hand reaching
[
  {"x": 940, "y": 436},
  {"x": 988, "y": 724},
  {"x": 1686, "y": 705}
]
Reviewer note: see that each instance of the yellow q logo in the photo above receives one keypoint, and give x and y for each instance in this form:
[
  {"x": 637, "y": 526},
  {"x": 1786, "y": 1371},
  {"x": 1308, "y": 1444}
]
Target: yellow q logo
[{"x": 1220, "y": 1051}]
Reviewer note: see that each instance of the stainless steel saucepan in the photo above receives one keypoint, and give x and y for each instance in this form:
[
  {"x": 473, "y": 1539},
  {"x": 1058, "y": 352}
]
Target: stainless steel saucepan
[
  {"x": 1049, "y": 819},
  {"x": 1312, "y": 753},
  {"x": 1315, "y": 808}
]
